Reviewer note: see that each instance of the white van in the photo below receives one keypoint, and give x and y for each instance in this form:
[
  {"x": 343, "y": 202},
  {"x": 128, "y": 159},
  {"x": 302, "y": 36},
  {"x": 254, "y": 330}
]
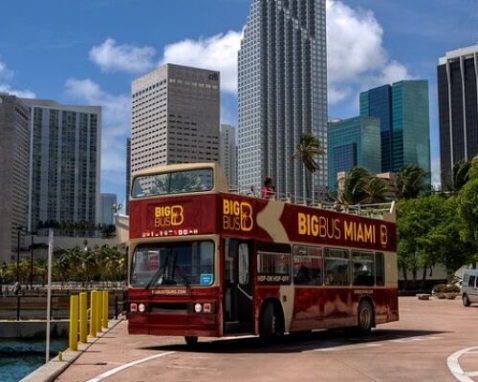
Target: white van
[{"x": 469, "y": 286}]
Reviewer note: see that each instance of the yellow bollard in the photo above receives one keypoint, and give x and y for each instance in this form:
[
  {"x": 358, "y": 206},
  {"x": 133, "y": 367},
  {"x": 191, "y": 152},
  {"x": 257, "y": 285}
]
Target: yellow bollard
[
  {"x": 99, "y": 310},
  {"x": 74, "y": 322},
  {"x": 83, "y": 317},
  {"x": 93, "y": 313},
  {"x": 105, "y": 309}
]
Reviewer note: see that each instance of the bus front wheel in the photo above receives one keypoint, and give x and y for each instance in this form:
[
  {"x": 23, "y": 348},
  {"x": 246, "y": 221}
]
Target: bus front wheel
[
  {"x": 365, "y": 317},
  {"x": 269, "y": 325},
  {"x": 191, "y": 340},
  {"x": 466, "y": 300}
]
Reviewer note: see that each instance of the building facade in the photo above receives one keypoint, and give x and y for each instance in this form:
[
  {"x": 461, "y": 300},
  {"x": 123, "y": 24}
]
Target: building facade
[
  {"x": 65, "y": 163},
  {"x": 175, "y": 117},
  {"x": 403, "y": 110},
  {"x": 353, "y": 142},
  {"x": 282, "y": 93},
  {"x": 128, "y": 174},
  {"x": 14, "y": 169},
  {"x": 458, "y": 108},
  {"x": 228, "y": 154},
  {"x": 108, "y": 204}
]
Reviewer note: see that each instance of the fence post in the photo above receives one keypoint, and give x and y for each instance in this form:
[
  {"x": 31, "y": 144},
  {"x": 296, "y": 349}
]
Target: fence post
[
  {"x": 74, "y": 322},
  {"x": 99, "y": 310},
  {"x": 93, "y": 313},
  {"x": 18, "y": 307},
  {"x": 83, "y": 317},
  {"x": 105, "y": 309}
]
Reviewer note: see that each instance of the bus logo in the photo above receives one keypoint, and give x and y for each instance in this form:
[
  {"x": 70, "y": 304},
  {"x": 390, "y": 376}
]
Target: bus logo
[
  {"x": 166, "y": 216},
  {"x": 237, "y": 216}
]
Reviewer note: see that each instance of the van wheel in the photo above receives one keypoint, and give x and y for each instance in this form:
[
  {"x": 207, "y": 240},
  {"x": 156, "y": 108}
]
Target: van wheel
[
  {"x": 365, "y": 317},
  {"x": 270, "y": 326},
  {"x": 466, "y": 300},
  {"x": 191, "y": 340}
]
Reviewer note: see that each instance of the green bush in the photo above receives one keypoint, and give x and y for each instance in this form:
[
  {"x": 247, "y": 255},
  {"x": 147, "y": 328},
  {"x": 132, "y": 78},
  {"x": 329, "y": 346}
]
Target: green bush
[
  {"x": 439, "y": 288},
  {"x": 450, "y": 288}
]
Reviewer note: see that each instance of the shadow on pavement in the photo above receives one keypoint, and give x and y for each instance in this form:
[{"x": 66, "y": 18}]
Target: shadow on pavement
[{"x": 293, "y": 343}]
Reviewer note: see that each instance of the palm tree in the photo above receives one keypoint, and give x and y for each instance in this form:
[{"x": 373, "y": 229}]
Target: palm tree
[
  {"x": 354, "y": 185},
  {"x": 375, "y": 191},
  {"x": 460, "y": 175},
  {"x": 308, "y": 150},
  {"x": 408, "y": 182}
]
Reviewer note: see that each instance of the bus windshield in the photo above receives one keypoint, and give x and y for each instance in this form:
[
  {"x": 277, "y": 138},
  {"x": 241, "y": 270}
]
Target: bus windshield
[
  {"x": 173, "y": 183},
  {"x": 180, "y": 264}
]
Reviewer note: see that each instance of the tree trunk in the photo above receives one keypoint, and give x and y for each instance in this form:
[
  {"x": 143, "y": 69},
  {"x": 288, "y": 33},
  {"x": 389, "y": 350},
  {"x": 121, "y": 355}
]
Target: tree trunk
[
  {"x": 424, "y": 277},
  {"x": 405, "y": 278}
]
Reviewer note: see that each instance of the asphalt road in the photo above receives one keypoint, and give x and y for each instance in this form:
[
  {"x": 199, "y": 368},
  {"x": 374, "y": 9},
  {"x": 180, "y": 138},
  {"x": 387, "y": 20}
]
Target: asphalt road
[{"x": 435, "y": 340}]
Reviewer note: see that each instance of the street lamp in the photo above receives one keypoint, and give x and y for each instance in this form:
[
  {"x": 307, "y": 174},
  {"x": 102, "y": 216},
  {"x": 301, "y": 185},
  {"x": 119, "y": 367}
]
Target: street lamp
[
  {"x": 19, "y": 229},
  {"x": 31, "y": 261}
]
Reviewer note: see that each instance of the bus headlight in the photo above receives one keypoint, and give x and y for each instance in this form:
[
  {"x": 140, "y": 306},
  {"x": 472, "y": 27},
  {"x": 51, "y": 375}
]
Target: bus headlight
[
  {"x": 133, "y": 307},
  {"x": 198, "y": 308},
  {"x": 141, "y": 307}
]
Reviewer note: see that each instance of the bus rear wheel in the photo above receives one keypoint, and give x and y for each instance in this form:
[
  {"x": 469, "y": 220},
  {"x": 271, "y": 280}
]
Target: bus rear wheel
[
  {"x": 270, "y": 326},
  {"x": 466, "y": 300},
  {"x": 365, "y": 317},
  {"x": 191, "y": 340}
]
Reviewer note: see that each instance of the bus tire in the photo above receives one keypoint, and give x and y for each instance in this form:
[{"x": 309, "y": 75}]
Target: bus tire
[
  {"x": 191, "y": 340},
  {"x": 466, "y": 300},
  {"x": 365, "y": 317},
  {"x": 270, "y": 326}
]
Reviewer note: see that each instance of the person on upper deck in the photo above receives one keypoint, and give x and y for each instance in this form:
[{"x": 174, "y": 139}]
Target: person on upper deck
[{"x": 268, "y": 190}]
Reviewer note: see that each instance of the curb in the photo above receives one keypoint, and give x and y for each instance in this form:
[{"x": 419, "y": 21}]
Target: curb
[{"x": 52, "y": 370}]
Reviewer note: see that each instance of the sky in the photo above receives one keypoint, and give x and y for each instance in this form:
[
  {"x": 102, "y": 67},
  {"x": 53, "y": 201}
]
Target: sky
[{"x": 89, "y": 51}]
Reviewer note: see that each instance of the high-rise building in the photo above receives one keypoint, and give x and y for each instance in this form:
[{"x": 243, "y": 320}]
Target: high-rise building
[
  {"x": 228, "y": 154},
  {"x": 128, "y": 174},
  {"x": 353, "y": 142},
  {"x": 65, "y": 162},
  {"x": 14, "y": 168},
  {"x": 108, "y": 204},
  {"x": 175, "y": 117},
  {"x": 282, "y": 93},
  {"x": 458, "y": 108},
  {"x": 403, "y": 110}
]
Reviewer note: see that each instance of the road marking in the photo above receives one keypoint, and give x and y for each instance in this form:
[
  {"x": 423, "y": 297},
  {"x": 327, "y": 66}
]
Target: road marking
[
  {"x": 455, "y": 368},
  {"x": 416, "y": 339},
  {"x": 121, "y": 368},
  {"x": 348, "y": 347}
]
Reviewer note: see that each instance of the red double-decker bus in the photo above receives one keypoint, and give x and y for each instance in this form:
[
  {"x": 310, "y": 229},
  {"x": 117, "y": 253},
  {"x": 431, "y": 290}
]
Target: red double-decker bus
[{"x": 207, "y": 262}]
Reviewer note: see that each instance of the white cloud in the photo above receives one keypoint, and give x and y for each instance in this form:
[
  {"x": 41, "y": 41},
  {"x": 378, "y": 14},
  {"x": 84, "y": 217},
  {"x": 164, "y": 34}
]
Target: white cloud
[
  {"x": 6, "y": 75},
  {"x": 218, "y": 52},
  {"x": 116, "y": 117},
  {"x": 436, "y": 172},
  {"x": 110, "y": 56},
  {"x": 357, "y": 59}
]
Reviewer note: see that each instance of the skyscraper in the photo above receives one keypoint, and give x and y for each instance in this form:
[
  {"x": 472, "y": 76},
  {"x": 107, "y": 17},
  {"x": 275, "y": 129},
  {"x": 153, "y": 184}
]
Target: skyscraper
[
  {"x": 403, "y": 111},
  {"x": 128, "y": 174},
  {"x": 65, "y": 162},
  {"x": 282, "y": 92},
  {"x": 228, "y": 154},
  {"x": 14, "y": 168},
  {"x": 353, "y": 142},
  {"x": 107, "y": 205},
  {"x": 175, "y": 117},
  {"x": 458, "y": 108}
]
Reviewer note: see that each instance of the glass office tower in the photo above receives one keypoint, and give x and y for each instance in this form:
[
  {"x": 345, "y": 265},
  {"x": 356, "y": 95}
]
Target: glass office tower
[
  {"x": 458, "y": 108},
  {"x": 403, "y": 110},
  {"x": 353, "y": 142},
  {"x": 282, "y": 93}
]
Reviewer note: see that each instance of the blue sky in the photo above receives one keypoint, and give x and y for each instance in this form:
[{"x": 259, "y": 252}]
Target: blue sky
[{"x": 89, "y": 51}]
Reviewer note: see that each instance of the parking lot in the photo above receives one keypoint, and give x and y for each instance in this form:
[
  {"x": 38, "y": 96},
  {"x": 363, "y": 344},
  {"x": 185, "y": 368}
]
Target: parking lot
[{"x": 434, "y": 340}]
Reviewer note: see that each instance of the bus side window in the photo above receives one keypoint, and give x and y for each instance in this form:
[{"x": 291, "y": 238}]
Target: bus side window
[
  {"x": 379, "y": 269},
  {"x": 243, "y": 251}
]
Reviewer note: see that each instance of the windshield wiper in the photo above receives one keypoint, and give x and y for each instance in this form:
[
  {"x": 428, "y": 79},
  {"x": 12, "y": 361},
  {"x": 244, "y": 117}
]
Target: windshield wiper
[{"x": 161, "y": 271}]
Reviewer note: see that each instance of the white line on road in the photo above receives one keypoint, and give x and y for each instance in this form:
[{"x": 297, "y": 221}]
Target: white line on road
[
  {"x": 455, "y": 368},
  {"x": 121, "y": 368},
  {"x": 348, "y": 347}
]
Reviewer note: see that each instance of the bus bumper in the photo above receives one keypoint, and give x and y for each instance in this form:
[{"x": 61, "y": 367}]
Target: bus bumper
[{"x": 189, "y": 324}]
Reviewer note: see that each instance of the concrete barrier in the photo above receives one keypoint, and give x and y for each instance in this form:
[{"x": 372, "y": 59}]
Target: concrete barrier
[{"x": 33, "y": 329}]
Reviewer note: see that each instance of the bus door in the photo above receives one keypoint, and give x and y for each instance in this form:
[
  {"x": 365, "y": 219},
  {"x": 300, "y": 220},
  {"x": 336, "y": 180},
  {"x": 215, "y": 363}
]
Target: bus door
[{"x": 238, "y": 300}]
